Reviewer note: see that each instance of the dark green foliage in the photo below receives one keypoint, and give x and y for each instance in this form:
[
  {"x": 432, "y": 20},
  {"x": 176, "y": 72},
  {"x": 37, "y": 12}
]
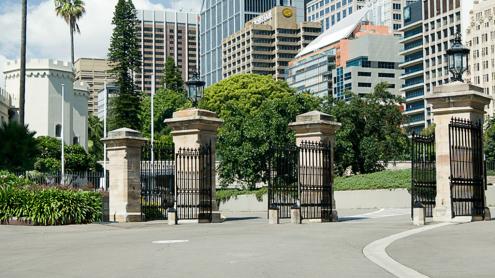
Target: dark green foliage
[
  {"x": 76, "y": 158},
  {"x": 371, "y": 131},
  {"x": 166, "y": 102},
  {"x": 172, "y": 77},
  {"x": 9, "y": 179},
  {"x": 95, "y": 134},
  {"x": 490, "y": 140},
  {"x": 256, "y": 110},
  {"x": 430, "y": 130},
  {"x": 17, "y": 147},
  {"x": 125, "y": 58},
  {"x": 49, "y": 206}
]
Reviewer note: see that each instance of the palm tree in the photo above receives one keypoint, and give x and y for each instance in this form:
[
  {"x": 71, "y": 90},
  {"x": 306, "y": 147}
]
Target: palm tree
[
  {"x": 71, "y": 11},
  {"x": 22, "y": 89}
]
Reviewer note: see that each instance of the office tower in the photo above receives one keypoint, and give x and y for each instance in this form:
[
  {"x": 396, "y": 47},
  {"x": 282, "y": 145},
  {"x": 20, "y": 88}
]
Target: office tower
[
  {"x": 95, "y": 72},
  {"x": 355, "y": 56},
  {"x": 481, "y": 40},
  {"x": 416, "y": 112},
  {"x": 165, "y": 34},
  {"x": 220, "y": 19},
  {"x": 267, "y": 43}
]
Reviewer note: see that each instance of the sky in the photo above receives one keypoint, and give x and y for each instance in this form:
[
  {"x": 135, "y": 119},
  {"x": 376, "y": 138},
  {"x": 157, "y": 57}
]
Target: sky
[{"x": 48, "y": 35}]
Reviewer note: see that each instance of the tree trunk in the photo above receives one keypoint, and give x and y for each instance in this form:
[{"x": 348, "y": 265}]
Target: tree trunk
[
  {"x": 72, "y": 42},
  {"x": 22, "y": 88}
]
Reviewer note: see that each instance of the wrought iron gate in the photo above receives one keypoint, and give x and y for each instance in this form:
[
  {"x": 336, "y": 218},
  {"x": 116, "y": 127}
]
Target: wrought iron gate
[
  {"x": 301, "y": 174},
  {"x": 467, "y": 180},
  {"x": 194, "y": 183},
  {"x": 157, "y": 181},
  {"x": 183, "y": 179},
  {"x": 423, "y": 173}
]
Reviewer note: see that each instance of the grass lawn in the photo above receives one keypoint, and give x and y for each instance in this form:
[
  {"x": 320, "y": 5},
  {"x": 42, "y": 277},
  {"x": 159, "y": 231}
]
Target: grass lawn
[{"x": 379, "y": 180}]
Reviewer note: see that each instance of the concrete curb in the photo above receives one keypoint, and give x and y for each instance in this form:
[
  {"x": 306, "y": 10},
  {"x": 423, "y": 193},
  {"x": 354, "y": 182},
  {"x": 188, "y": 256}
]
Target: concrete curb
[{"x": 376, "y": 253}]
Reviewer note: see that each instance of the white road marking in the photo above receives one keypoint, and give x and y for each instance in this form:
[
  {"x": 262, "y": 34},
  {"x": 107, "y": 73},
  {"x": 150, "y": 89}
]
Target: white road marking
[
  {"x": 380, "y": 214},
  {"x": 376, "y": 253},
  {"x": 169, "y": 241}
]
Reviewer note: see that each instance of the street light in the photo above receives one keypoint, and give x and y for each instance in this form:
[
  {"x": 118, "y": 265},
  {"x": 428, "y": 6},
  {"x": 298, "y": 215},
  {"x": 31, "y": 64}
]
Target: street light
[
  {"x": 458, "y": 58},
  {"x": 195, "y": 87}
]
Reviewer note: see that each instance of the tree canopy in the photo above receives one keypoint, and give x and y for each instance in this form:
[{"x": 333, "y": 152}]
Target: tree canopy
[
  {"x": 17, "y": 147},
  {"x": 125, "y": 60},
  {"x": 371, "y": 132},
  {"x": 166, "y": 102},
  {"x": 172, "y": 77},
  {"x": 257, "y": 110}
]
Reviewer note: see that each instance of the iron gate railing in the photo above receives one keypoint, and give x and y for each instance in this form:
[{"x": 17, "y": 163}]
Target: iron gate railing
[
  {"x": 423, "y": 173},
  {"x": 301, "y": 175},
  {"x": 157, "y": 181},
  {"x": 468, "y": 177},
  {"x": 315, "y": 179},
  {"x": 194, "y": 183}
]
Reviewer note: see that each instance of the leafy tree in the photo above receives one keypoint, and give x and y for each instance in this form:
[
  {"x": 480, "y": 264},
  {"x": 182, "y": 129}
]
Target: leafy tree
[
  {"x": 370, "y": 131},
  {"x": 76, "y": 158},
  {"x": 166, "y": 102},
  {"x": 256, "y": 110},
  {"x": 95, "y": 134},
  {"x": 490, "y": 140},
  {"x": 71, "y": 11},
  {"x": 430, "y": 130},
  {"x": 125, "y": 59},
  {"x": 17, "y": 147},
  {"x": 172, "y": 77}
]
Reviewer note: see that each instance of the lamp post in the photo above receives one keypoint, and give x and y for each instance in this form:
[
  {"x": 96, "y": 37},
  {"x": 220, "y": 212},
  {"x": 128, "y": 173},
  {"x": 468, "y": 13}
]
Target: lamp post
[
  {"x": 458, "y": 59},
  {"x": 195, "y": 88}
]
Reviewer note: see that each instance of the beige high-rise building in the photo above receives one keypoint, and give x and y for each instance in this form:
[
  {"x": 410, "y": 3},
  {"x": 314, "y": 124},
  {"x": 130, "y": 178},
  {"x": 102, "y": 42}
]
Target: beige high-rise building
[
  {"x": 163, "y": 34},
  {"x": 481, "y": 40},
  {"x": 95, "y": 72},
  {"x": 267, "y": 43}
]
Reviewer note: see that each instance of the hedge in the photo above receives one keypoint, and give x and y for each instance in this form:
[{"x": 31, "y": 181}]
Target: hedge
[{"x": 47, "y": 205}]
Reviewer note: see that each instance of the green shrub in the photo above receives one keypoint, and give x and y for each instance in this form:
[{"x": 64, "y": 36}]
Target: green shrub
[
  {"x": 49, "y": 206},
  {"x": 9, "y": 179}
]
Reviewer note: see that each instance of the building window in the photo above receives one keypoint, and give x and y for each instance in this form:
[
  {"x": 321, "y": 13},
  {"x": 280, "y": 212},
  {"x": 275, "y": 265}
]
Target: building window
[
  {"x": 386, "y": 75},
  {"x": 75, "y": 140},
  {"x": 364, "y": 85},
  {"x": 363, "y": 73},
  {"x": 58, "y": 131}
]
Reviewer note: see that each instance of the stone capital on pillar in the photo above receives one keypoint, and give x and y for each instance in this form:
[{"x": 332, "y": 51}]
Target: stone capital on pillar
[
  {"x": 193, "y": 128},
  {"x": 315, "y": 126},
  {"x": 124, "y": 166},
  {"x": 453, "y": 100}
]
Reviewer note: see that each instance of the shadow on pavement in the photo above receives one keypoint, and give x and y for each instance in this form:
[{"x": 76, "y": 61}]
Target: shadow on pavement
[
  {"x": 346, "y": 219},
  {"x": 228, "y": 219}
]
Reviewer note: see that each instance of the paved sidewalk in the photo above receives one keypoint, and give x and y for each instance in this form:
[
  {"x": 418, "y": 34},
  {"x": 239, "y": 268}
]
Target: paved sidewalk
[{"x": 462, "y": 250}]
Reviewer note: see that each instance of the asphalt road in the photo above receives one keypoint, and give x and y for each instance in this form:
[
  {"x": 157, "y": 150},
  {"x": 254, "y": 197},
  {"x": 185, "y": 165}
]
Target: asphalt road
[{"x": 245, "y": 246}]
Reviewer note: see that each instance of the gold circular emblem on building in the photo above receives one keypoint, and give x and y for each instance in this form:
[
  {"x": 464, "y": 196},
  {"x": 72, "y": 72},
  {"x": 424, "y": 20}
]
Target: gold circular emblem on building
[{"x": 287, "y": 12}]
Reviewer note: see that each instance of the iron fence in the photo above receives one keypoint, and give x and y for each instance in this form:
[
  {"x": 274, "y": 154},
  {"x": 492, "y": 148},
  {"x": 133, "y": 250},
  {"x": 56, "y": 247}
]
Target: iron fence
[
  {"x": 88, "y": 180},
  {"x": 194, "y": 180},
  {"x": 468, "y": 177},
  {"x": 157, "y": 181},
  {"x": 301, "y": 176},
  {"x": 423, "y": 173}
]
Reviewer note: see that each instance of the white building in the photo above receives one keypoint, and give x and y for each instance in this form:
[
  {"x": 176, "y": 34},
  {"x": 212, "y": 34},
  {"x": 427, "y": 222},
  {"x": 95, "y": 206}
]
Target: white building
[
  {"x": 481, "y": 40},
  {"x": 382, "y": 12},
  {"x": 43, "y": 104},
  {"x": 5, "y": 103}
]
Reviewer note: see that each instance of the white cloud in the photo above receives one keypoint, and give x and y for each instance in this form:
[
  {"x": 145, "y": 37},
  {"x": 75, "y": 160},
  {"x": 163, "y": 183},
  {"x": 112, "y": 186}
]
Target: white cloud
[{"x": 48, "y": 35}]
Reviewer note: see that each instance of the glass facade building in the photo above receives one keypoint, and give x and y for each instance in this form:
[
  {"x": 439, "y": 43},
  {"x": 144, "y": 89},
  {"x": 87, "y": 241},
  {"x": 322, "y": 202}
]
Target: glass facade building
[{"x": 220, "y": 19}]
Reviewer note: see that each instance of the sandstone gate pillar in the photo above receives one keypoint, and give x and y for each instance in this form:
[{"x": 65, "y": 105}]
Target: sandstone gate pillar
[
  {"x": 453, "y": 100},
  {"x": 316, "y": 127},
  {"x": 124, "y": 166},
  {"x": 193, "y": 128}
]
